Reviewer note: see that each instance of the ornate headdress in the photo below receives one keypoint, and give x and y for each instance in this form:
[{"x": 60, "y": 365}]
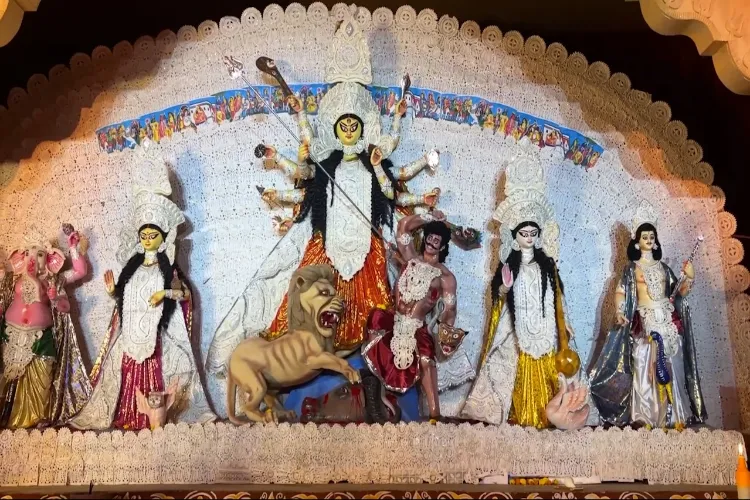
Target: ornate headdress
[
  {"x": 645, "y": 214},
  {"x": 152, "y": 206},
  {"x": 349, "y": 68},
  {"x": 34, "y": 237},
  {"x": 525, "y": 200}
]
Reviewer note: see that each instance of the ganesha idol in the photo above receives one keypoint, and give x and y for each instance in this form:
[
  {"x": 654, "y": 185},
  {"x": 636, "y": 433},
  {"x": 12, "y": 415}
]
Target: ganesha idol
[{"x": 43, "y": 380}]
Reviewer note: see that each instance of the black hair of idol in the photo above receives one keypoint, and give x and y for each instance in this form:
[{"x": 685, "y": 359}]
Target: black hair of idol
[
  {"x": 167, "y": 271},
  {"x": 634, "y": 254},
  {"x": 546, "y": 265},
  {"x": 315, "y": 202}
]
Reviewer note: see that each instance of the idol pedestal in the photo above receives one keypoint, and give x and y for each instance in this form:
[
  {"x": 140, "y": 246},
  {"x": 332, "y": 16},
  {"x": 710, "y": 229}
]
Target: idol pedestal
[{"x": 413, "y": 453}]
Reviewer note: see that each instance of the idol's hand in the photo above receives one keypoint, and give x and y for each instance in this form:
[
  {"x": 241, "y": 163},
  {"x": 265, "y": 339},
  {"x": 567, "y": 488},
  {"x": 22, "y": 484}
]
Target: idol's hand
[
  {"x": 376, "y": 156},
  {"x": 269, "y": 153},
  {"x": 73, "y": 239},
  {"x": 109, "y": 282},
  {"x": 282, "y": 224},
  {"x": 507, "y": 276},
  {"x": 157, "y": 298},
  {"x": 438, "y": 216},
  {"x": 401, "y": 107},
  {"x": 303, "y": 153},
  {"x": 568, "y": 409},
  {"x": 689, "y": 270},
  {"x": 269, "y": 195},
  {"x": 431, "y": 199},
  {"x": 294, "y": 103},
  {"x": 621, "y": 319}
]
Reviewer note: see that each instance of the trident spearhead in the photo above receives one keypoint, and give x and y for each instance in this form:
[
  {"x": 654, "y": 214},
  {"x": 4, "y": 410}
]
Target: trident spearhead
[
  {"x": 405, "y": 85},
  {"x": 234, "y": 67}
]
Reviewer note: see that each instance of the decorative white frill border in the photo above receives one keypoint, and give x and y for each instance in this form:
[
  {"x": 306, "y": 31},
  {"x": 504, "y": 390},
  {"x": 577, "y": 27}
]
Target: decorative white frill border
[{"x": 309, "y": 454}]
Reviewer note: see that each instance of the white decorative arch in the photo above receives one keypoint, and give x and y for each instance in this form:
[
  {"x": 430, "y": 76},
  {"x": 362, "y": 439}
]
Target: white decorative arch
[{"x": 56, "y": 171}]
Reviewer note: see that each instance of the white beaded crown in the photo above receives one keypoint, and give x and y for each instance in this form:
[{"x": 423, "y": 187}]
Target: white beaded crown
[
  {"x": 151, "y": 188},
  {"x": 525, "y": 200},
  {"x": 644, "y": 214},
  {"x": 349, "y": 68},
  {"x": 349, "y": 55}
]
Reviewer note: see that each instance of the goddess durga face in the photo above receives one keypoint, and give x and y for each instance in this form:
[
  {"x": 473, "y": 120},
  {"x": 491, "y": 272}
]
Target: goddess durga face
[{"x": 349, "y": 130}]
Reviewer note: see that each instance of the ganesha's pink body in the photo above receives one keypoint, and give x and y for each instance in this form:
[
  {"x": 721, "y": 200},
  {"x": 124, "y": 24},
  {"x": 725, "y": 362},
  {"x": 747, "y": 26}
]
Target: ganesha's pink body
[
  {"x": 35, "y": 315},
  {"x": 38, "y": 313}
]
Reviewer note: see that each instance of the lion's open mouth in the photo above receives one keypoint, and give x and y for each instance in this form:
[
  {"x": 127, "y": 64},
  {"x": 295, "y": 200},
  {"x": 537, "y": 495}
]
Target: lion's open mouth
[{"x": 329, "y": 319}]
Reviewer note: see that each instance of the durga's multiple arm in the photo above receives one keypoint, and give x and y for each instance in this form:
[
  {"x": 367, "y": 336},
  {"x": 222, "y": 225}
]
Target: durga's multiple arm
[
  {"x": 409, "y": 171},
  {"x": 284, "y": 196},
  {"x": 687, "y": 284},
  {"x": 302, "y": 170}
]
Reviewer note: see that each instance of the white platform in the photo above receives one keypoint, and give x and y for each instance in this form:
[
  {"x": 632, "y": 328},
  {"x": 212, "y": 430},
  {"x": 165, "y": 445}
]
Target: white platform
[{"x": 288, "y": 454}]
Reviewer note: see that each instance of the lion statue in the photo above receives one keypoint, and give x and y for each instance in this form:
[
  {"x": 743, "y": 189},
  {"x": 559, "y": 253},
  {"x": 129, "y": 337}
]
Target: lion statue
[{"x": 261, "y": 368}]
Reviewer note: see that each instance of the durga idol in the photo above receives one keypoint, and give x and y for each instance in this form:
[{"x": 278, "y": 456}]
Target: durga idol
[{"x": 338, "y": 224}]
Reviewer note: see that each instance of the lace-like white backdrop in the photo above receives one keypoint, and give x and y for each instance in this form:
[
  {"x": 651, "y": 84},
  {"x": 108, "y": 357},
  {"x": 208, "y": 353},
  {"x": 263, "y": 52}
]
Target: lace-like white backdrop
[{"x": 230, "y": 232}]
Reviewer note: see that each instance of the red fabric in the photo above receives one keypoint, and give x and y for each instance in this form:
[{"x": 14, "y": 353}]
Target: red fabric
[
  {"x": 379, "y": 356},
  {"x": 146, "y": 377}
]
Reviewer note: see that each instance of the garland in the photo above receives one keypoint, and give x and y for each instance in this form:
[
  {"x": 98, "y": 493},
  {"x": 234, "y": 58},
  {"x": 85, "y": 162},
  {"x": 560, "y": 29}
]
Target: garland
[{"x": 233, "y": 105}]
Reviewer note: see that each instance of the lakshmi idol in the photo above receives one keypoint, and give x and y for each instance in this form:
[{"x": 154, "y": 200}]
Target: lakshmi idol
[
  {"x": 43, "y": 380},
  {"x": 518, "y": 372},
  {"x": 647, "y": 373},
  {"x": 344, "y": 202},
  {"x": 147, "y": 353}
]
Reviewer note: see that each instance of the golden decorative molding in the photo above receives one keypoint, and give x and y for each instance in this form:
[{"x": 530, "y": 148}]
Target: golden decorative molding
[
  {"x": 11, "y": 15},
  {"x": 719, "y": 28}
]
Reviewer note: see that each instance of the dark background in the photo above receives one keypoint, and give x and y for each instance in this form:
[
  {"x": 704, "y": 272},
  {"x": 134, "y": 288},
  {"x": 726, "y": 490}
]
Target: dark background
[{"x": 612, "y": 31}]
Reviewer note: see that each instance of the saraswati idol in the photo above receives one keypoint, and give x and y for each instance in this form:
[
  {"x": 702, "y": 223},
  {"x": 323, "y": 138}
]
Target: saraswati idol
[
  {"x": 346, "y": 192},
  {"x": 526, "y": 347},
  {"x": 147, "y": 350}
]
